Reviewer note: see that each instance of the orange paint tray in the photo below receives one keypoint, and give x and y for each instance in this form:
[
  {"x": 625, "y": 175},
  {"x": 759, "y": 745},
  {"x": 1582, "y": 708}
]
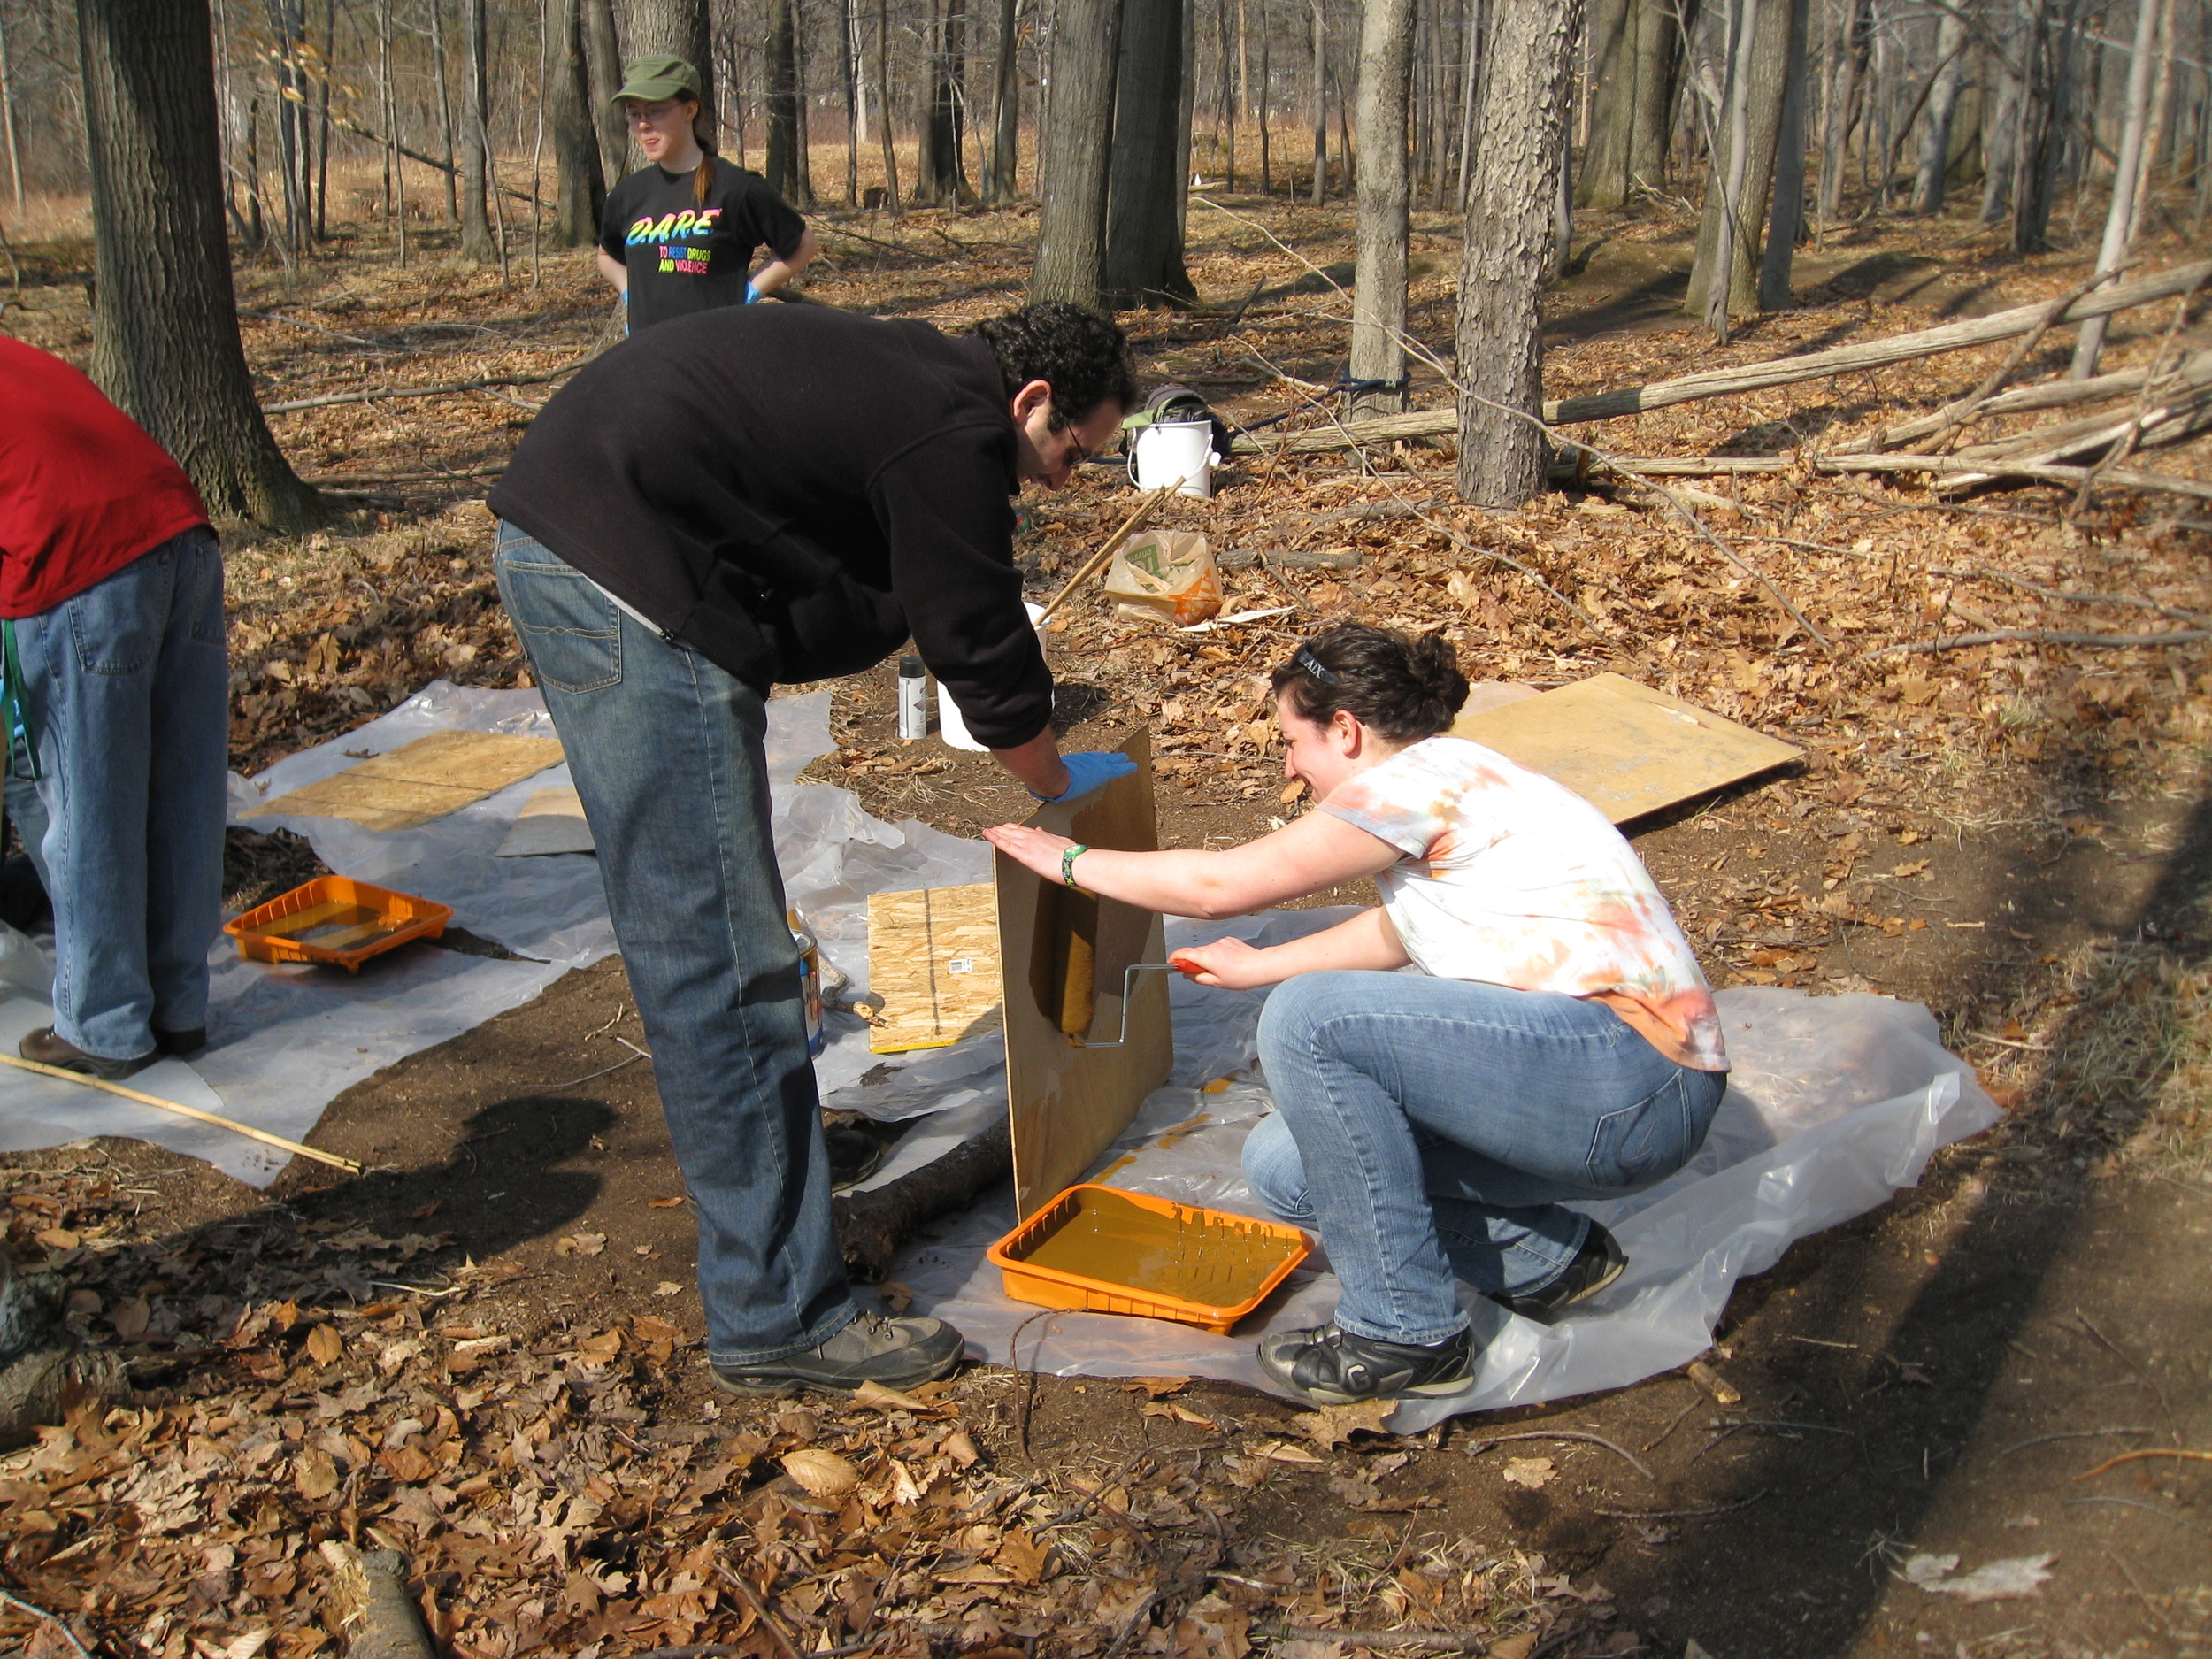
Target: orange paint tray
[
  {"x": 1110, "y": 1251},
  {"x": 337, "y": 920}
]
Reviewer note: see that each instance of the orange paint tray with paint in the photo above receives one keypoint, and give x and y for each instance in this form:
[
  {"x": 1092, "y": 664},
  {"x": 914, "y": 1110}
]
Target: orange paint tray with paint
[
  {"x": 337, "y": 920},
  {"x": 1109, "y": 1251}
]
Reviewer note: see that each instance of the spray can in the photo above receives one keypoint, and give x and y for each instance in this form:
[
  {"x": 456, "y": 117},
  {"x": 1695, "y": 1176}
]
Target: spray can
[
  {"x": 913, "y": 700},
  {"x": 809, "y": 979}
]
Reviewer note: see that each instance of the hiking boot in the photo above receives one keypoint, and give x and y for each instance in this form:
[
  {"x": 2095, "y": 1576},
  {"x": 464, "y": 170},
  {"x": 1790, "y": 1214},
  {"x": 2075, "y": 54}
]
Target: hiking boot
[
  {"x": 896, "y": 1353},
  {"x": 47, "y": 1048},
  {"x": 1596, "y": 1265},
  {"x": 180, "y": 1042},
  {"x": 1335, "y": 1368}
]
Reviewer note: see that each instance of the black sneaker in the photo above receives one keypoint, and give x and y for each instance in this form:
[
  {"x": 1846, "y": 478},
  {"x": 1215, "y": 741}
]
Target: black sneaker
[
  {"x": 46, "y": 1046},
  {"x": 896, "y": 1353},
  {"x": 1596, "y": 1265},
  {"x": 1335, "y": 1368}
]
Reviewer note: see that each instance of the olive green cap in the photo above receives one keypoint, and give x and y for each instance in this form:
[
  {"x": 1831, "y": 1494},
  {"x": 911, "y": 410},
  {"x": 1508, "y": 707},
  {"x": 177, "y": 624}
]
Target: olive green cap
[{"x": 649, "y": 80}]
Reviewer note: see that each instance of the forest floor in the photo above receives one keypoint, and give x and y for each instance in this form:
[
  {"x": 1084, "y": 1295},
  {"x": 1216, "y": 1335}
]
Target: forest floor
[{"x": 484, "y": 1352}]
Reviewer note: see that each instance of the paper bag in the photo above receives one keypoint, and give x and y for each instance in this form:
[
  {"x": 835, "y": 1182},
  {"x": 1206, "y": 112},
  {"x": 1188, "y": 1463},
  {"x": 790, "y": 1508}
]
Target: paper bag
[{"x": 1166, "y": 576}]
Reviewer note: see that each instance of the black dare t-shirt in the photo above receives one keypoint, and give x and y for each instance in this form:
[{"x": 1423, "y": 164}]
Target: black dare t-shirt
[{"x": 683, "y": 257}]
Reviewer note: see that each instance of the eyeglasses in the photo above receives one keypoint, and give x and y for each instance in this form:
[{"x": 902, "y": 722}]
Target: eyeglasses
[{"x": 646, "y": 114}]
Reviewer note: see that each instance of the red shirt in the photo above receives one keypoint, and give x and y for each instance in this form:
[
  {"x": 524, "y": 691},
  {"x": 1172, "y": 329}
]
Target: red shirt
[{"x": 83, "y": 490}]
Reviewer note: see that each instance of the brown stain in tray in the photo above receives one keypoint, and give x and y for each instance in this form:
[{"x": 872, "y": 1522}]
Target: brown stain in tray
[{"x": 1212, "y": 1264}]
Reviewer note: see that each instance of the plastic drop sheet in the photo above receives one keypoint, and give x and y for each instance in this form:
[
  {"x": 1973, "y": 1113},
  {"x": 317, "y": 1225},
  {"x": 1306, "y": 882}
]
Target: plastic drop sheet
[
  {"x": 284, "y": 1040},
  {"x": 1835, "y": 1103}
]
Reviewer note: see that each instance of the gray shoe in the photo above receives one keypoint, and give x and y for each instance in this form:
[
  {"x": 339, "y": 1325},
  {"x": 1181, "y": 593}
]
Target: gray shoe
[{"x": 896, "y": 1353}]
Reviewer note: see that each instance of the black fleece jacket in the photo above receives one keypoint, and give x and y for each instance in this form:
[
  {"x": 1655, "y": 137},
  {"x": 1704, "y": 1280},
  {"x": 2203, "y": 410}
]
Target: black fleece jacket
[{"x": 793, "y": 491}]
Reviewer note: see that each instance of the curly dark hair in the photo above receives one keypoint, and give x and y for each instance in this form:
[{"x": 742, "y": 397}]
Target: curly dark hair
[
  {"x": 1083, "y": 357},
  {"x": 1404, "y": 688}
]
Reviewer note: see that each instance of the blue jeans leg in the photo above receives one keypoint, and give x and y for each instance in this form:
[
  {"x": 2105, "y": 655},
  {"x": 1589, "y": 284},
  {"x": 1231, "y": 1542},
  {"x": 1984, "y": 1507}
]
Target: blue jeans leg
[
  {"x": 127, "y": 688},
  {"x": 665, "y": 750},
  {"x": 1429, "y": 1128}
]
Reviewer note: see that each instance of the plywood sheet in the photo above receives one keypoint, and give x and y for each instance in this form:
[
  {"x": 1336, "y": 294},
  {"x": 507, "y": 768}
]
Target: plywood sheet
[
  {"x": 1067, "y": 1098},
  {"x": 551, "y": 821},
  {"x": 1624, "y": 747},
  {"x": 418, "y": 781},
  {"x": 933, "y": 958}
]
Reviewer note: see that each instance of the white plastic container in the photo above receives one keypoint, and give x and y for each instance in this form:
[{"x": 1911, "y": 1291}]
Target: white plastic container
[
  {"x": 1180, "y": 452},
  {"x": 950, "y": 727}
]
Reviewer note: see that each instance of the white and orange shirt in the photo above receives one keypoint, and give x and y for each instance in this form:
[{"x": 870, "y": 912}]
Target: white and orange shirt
[{"x": 1512, "y": 879}]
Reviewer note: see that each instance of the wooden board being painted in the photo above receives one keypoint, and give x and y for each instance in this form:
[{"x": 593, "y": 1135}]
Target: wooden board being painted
[
  {"x": 418, "y": 781},
  {"x": 1626, "y": 749},
  {"x": 934, "y": 960},
  {"x": 1068, "y": 1100}
]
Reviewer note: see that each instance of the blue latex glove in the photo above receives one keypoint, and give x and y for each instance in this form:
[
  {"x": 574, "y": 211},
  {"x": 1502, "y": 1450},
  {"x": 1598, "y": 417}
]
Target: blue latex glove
[
  {"x": 753, "y": 295},
  {"x": 1087, "y": 769}
]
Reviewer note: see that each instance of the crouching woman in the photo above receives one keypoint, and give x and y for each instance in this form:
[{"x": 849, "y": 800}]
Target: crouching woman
[{"x": 1557, "y": 1042}]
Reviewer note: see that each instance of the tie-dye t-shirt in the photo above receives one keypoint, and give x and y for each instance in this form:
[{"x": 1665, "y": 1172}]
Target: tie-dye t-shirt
[{"x": 1512, "y": 879}]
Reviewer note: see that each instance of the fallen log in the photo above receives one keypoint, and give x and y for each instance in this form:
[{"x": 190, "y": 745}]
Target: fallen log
[
  {"x": 370, "y": 1604},
  {"x": 872, "y": 1224},
  {"x": 2170, "y": 421},
  {"x": 2044, "y": 395},
  {"x": 1750, "y": 377},
  {"x": 1757, "y": 465},
  {"x": 2046, "y": 636}
]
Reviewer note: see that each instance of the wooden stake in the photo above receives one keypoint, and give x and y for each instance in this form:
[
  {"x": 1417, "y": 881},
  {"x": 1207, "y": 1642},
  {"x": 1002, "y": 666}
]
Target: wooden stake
[
  {"x": 1113, "y": 545},
  {"x": 193, "y": 1112}
]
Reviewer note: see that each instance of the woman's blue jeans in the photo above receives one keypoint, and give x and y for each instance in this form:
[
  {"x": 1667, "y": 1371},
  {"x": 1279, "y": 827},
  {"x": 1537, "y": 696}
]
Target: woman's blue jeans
[
  {"x": 665, "y": 750},
  {"x": 1429, "y": 1128},
  {"x": 126, "y": 689}
]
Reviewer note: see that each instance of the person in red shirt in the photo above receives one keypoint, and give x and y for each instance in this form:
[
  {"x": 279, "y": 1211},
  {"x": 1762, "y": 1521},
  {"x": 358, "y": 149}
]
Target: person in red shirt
[{"x": 116, "y": 714}]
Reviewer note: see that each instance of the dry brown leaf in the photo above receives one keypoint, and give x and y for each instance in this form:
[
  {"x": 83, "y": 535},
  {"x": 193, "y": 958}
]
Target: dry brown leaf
[
  {"x": 325, "y": 1345},
  {"x": 1518, "y": 1646},
  {"x": 581, "y": 1244},
  {"x": 1156, "y": 1388},
  {"x": 876, "y": 1397},
  {"x": 1334, "y": 1425},
  {"x": 822, "y": 1474},
  {"x": 1177, "y": 1413},
  {"x": 669, "y": 1203},
  {"x": 1535, "y": 1474}
]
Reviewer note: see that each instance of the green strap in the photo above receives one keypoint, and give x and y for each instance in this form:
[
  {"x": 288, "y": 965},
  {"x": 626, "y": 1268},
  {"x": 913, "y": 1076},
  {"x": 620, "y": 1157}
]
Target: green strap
[{"x": 17, "y": 706}]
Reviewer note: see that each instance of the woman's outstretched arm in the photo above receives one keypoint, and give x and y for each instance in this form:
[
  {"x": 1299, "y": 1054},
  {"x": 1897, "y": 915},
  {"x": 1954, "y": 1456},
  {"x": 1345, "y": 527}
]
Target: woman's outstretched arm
[
  {"x": 1365, "y": 940},
  {"x": 1317, "y": 852}
]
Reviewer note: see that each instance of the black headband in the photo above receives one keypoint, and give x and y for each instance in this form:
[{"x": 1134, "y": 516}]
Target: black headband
[{"x": 1314, "y": 666}]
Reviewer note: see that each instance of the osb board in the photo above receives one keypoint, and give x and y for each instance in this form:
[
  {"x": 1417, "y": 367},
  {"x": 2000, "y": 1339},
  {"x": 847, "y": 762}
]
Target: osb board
[
  {"x": 1067, "y": 1102},
  {"x": 551, "y": 821},
  {"x": 418, "y": 781},
  {"x": 1624, "y": 747},
  {"x": 933, "y": 958}
]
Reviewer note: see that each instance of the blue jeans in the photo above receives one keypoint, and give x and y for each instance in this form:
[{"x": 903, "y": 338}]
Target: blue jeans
[
  {"x": 127, "y": 688},
  {"x": 1430, "y": 1127},
  {"x": 665, "y": 750}
]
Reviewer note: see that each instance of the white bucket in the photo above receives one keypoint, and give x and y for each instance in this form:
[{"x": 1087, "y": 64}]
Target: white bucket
[
  {"x": 1180, "y": 452},
  {"x": 951, "y": 725}
]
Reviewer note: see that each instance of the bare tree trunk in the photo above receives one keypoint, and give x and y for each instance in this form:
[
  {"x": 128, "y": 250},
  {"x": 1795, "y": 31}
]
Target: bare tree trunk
[
  {"x": 1476, "y": 33},
  {"x": 603, "y": 56},
  {"x": 1267, "y": 113},
  {"x": 678, "y": 26},
  {"x": 1144, "y": 246},
  {"x": 1943, "y": 102},
  {"x": 883, "y": 109},
  {"x": 1229, "y": 49},
  {"x": 7, "y": 119},
  {"x": 165, "y": 331},
  {"x": 394, "y": 158},
  {"x": 2001, "y": 114},
  {"x": 579, "y": 187},
  {"x": 1743, "y": 173},
  {"x": 1614, "y": 60},
  {"x": 802, "y": 155},
  {"x": 782, "y": 166},
  {"x": 2127, "y": 171},
  {"x": 477, "y": 241},
  {"x": 1319, "y": 92},
  {"x": 1377, "y": 363},
  {"x": 2046, "y": 106},
  {"x": 445, "y": 111},
  {"x": 1785, "y": 220},
  {"x": 1527, "y": 74},
  {"x": 2161, "y": 112},
  {"x": 1000, "y": 184},
  {"x": 939, "y": 180},
  {"x": 1852, "y": 49},
  {"x": 1659, "y": 48},
  {"x": 322, "y": 119},
  {"x": 1076, "y": 153}
]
